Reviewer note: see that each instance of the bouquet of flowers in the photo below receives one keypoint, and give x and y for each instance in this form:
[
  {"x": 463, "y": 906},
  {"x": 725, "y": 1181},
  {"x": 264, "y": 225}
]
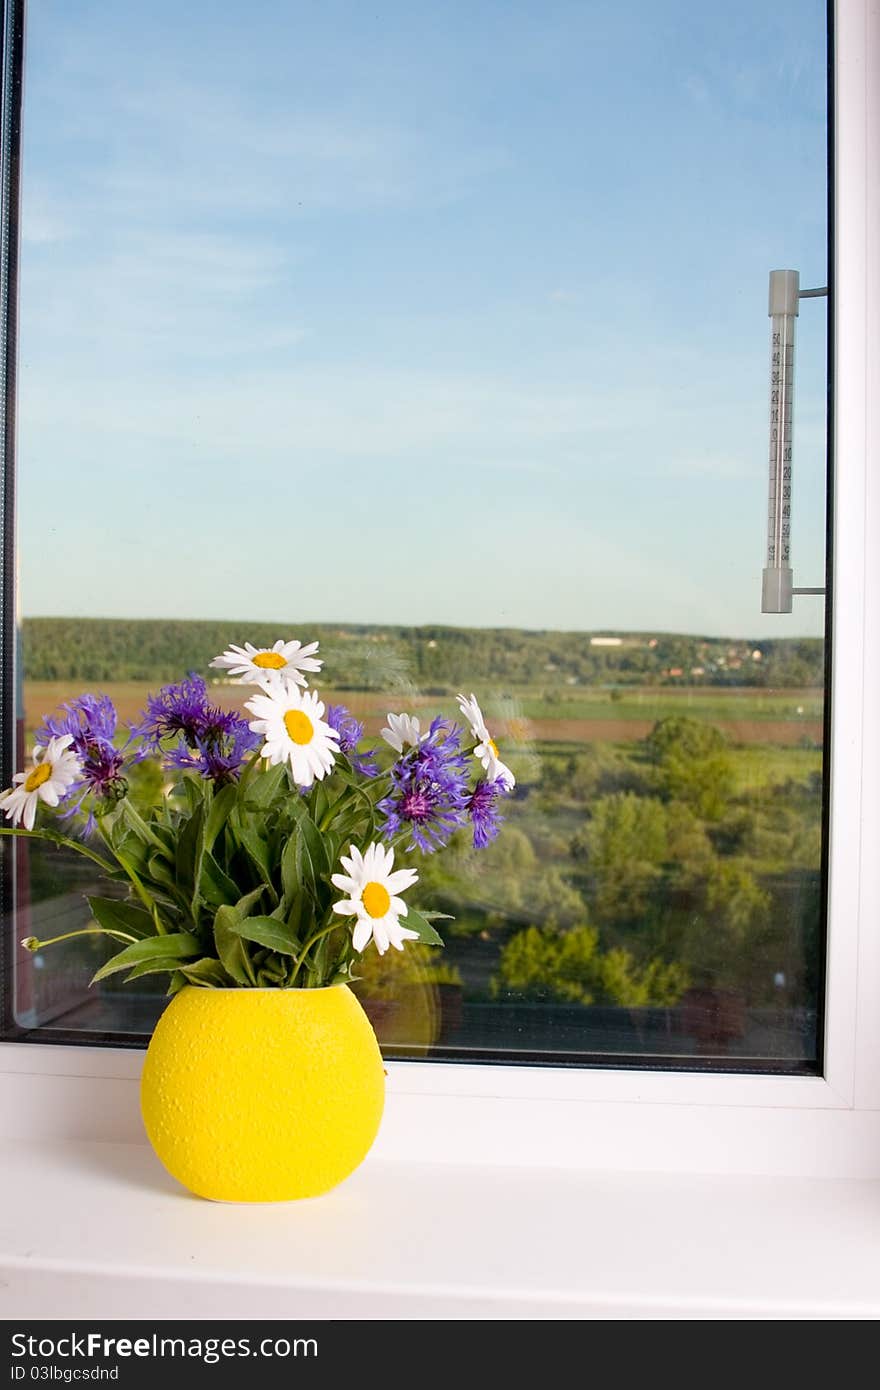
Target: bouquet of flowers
[{"x": 279, "y": 849}]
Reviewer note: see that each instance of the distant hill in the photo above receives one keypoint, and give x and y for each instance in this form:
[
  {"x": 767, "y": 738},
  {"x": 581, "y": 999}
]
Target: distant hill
[{"x": 437, "y": 659}]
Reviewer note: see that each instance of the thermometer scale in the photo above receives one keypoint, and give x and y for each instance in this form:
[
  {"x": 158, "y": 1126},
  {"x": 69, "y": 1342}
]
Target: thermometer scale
[{"x": 784, "y": 305}]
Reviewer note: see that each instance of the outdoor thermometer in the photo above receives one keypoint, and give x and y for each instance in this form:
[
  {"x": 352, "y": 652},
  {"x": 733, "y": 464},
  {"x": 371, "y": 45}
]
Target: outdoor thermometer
[{"x": 784, "y": 304}]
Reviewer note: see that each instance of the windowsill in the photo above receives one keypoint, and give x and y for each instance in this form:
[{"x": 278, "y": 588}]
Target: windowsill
[{"x": 99, "y": 1229}]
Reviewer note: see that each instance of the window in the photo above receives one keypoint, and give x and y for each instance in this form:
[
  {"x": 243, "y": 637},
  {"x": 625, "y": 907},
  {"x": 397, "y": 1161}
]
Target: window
[{"x": 509, "y": 298}]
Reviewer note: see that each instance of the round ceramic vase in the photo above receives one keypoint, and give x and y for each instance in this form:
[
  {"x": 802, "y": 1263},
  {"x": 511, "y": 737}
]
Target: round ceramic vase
[{"x": 262, "y": 1095}]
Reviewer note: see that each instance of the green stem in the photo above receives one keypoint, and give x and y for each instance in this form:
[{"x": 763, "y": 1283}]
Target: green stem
[
  {"x": 139, "y": 888},
  {"x": 300, "y": 959},
  {"x": 248, "y": 770},
  {"x": 54, "y": 838},
  {"x": 334, "y": 808},
  {"x": 34, "y": 944},
  {"x": 140, "y": 825}
]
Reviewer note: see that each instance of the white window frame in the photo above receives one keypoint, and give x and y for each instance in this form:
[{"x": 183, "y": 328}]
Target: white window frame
[{"x": 615, "y": 1118}]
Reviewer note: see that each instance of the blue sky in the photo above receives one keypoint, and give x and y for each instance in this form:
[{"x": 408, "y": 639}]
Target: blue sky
[{"x": 416, "y": 312}]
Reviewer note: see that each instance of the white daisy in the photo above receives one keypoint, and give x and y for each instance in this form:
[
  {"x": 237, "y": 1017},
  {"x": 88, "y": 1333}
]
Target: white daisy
[
  {"x": 51, "y": 777},
  {"x": 487, "y": 749},
  {"x": 290, "y": 721},
  {"x": 371, "y": 887},
  {"x": 402, "y": 731},
  {"x": 280, "y": 662}
]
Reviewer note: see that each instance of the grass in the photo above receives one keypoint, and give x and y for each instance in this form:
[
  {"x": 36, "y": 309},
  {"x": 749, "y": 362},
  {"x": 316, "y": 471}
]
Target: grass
[
  {"x": 766, "y": 765},
  {"x": 725, "y": 706}
]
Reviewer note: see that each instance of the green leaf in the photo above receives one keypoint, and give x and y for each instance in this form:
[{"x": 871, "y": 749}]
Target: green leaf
[
  {"x": 173, "y": 946},
  {"x": 215, "y": 885},
  {"x": 222, "y": 807},
  {"x": 209, "y": 973},
  {"x": 320, "y": 802},
  {"x": 159, "y": 871},
  {"x": 114, "y": 915},
  {"x": 198, "y": 792},
  {"x": 312, "y": 860},
  {"x": 419, "y": 923},
  {"x": 271, "y": 973},
  {"x": 255, "y": 848},
  {"x": 263, "y": 787},
  {"x": 290, "y": 879},
  {"x": 137, "y": 826},
  {"x": 267, "y": 931},
  {"x": 244, "y": 905},
  {"x": 230, "y": 947},
  {"x": 153, "y": 967},
  {"x": 190, "y": 851},
  {"x": 131, "y": 851}
]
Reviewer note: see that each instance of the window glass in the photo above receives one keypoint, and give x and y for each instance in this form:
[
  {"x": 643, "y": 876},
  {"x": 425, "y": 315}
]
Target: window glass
[{"x": 440, "y": 334}]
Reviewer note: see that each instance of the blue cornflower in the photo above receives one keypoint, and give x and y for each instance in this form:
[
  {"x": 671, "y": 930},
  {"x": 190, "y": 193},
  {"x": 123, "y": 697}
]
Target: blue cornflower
[
  {"x": 87, "y": 719},
  {"x": 482, "y": 808},
  {"x": 211, "y": 741},
  {"x": 91, "y": 722},
  {"x": 351, "y": 731},
  {"x": 429, "y": 789},
  {"x": 177, "y": 709},
  {"x": 219, "y": 753}
]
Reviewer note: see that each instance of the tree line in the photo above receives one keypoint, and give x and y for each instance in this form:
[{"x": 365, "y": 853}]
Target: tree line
[{"x": 437, "y": 660}]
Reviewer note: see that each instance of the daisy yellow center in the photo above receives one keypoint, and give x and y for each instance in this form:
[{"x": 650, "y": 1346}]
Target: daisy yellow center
[
  {"x": 376, "y": 899},
  {"x": 494, "y": 746},
  {"x": 299, "y": 726},
  {"x": 39, "y": 775},
  {"x": 269, "y": 661}
]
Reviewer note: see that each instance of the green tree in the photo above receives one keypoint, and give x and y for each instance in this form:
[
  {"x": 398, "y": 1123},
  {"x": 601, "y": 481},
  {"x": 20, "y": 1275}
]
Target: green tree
[
  {"x": 691, "y": 763},
  {"x": 625, "y": 845},
  {"x": 567, "y": 967},
  {"x": 543, "y": 963},
  {"x": 625, "y": 982},
  {"x": 730, "y": 924}
]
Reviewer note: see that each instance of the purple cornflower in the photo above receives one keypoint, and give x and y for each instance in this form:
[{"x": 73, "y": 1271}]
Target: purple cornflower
[
  {"x": 218, "y": 753},
  {"x": 351, "y": 731},
  {"x": 429, "y": 790},
  {"x": 482, "y": 808},
  {"x": 91, "y": 722},
  {"x": 213, "y": 742},
  {"x": 177, "y": 709},
  {"x": 87, "y": 718}
]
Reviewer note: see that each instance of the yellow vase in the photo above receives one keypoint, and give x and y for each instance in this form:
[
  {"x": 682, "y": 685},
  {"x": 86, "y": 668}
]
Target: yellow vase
[{"x": 262, "y": 1095}]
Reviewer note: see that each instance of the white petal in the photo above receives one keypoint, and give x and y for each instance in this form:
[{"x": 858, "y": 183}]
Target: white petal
[
  {"x": 346, "y": 908},
  {"x": 361, "y": 934},
  {"x": 400, "y": 880},
  {"x": 402, "y": 934}
]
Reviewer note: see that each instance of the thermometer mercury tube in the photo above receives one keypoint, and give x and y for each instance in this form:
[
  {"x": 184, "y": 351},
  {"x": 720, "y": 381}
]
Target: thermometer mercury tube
[{"x": 783, "y": 309}]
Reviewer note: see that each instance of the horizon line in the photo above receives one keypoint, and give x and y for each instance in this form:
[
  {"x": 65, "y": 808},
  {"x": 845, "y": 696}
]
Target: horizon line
[{"x": 454, "y": 627}]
